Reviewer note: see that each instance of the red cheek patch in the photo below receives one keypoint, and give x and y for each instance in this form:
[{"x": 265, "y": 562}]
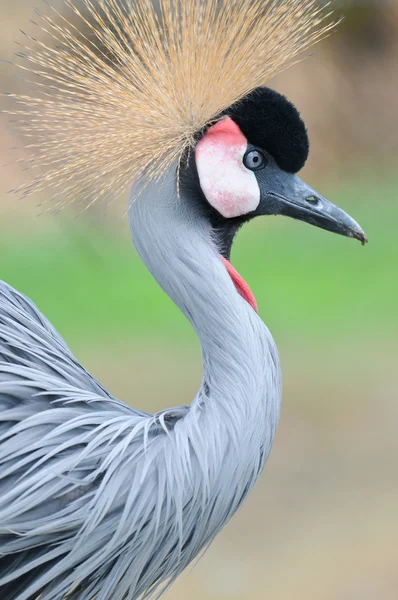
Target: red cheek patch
[
  {"x": 226, "y": 131},
  {"x": 228, "y": 185}
]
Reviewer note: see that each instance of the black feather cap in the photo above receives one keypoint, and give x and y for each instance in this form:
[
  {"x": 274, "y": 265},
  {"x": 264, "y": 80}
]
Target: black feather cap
[{"x": 268, "y": 120}]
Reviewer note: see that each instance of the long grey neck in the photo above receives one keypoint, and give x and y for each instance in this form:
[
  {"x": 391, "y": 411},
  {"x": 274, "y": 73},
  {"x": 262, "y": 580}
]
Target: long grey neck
[{"x": 241, "y": 368}]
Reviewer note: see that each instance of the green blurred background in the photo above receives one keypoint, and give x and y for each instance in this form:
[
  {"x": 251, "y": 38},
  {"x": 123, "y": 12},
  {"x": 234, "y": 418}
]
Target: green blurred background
[{"x": 323, "y": 520}]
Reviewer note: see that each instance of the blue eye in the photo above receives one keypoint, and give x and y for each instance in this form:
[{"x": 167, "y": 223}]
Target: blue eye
[{"x": 255, "y": 160}]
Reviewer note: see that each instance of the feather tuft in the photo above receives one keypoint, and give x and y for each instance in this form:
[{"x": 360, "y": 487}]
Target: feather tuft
[{"x": 121, "y": 89}]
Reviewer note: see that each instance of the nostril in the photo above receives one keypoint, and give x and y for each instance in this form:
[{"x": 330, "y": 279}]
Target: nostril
[{"x": 312, "y": 200}]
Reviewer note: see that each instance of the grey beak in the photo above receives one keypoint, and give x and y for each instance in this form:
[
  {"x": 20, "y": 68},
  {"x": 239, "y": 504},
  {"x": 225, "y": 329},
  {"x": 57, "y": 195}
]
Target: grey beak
[{"x": 286, "y": 194}]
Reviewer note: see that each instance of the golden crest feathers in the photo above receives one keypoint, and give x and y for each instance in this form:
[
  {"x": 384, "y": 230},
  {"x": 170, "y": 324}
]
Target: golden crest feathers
[{"x": 121, "y": 88}]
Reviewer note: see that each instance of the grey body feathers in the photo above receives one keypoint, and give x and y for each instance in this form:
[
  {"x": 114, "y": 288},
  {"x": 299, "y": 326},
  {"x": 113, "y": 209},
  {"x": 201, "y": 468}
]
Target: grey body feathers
[{"x": 98, "y": 500}]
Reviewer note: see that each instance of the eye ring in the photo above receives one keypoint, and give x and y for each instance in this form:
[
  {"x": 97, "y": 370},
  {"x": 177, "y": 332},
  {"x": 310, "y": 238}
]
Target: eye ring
[{"x": 254, "y": 159}]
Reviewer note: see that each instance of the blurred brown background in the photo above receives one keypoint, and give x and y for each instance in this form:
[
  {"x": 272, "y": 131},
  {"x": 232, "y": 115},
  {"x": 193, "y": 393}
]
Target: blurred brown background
[{"x": 323, "y": 521}]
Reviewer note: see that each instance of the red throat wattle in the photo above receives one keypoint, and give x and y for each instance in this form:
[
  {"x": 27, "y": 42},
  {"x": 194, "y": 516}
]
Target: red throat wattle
[{"x": 240, "y": 284}]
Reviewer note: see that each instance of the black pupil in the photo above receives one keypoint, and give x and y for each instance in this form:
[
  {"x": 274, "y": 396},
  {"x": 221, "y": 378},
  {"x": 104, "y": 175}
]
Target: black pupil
[{"x": 254, "y": 160}]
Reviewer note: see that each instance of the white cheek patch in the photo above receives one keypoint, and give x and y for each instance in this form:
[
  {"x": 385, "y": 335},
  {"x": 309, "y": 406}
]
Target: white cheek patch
[{"x": 227, "y": 184}]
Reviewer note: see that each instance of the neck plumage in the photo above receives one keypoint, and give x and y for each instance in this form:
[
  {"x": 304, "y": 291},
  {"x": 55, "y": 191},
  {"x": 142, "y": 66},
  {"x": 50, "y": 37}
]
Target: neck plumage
[{"x": 240, "y": 389}]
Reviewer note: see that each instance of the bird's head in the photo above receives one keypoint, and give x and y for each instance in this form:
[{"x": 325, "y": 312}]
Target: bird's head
[
  {"x": 245, "y": 164},
  {"x": 161, "y": 99}
]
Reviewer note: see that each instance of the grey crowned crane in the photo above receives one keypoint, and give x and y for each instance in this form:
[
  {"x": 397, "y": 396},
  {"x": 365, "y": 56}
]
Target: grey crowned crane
[{"x": 99, "y": 500}]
